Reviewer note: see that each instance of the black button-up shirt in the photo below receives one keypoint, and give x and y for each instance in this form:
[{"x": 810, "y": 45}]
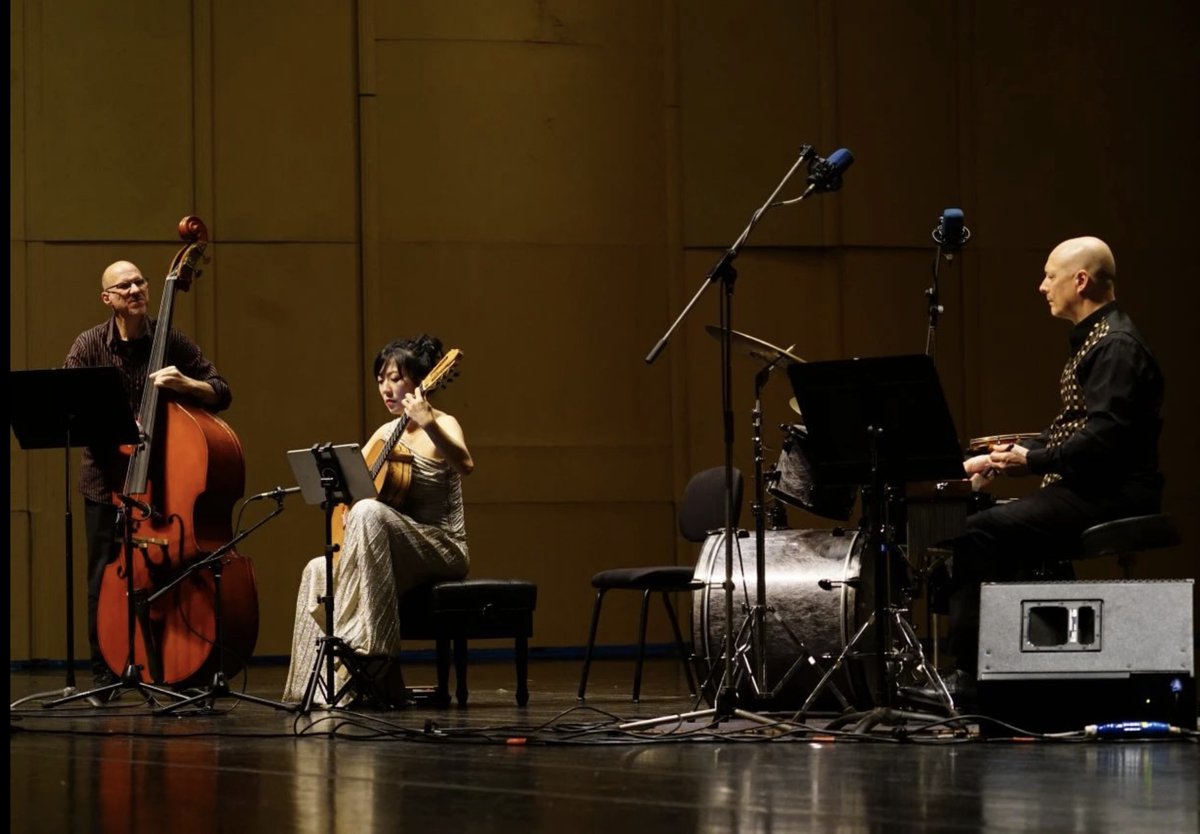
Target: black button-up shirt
[
  {"x": 1116, "y": 442},
  {"x": 103, "y": 469}
]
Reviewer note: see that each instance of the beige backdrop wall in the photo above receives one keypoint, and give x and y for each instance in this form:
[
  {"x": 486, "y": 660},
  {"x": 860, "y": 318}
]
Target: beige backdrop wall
[{"x": 545, "y": 185}]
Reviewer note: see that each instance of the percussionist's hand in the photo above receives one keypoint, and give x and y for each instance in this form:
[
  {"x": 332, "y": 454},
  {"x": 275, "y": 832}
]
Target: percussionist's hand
[
  {"x": 980, "y": 469},
  {"x": 1009, "y": 459}
]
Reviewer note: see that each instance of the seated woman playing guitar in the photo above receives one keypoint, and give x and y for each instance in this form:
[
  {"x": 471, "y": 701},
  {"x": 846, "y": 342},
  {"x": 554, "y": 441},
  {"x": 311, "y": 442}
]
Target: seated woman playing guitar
[{"x": 412, "y": 534}]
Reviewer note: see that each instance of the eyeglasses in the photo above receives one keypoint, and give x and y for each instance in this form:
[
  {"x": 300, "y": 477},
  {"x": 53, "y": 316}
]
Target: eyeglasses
[{"x": 125, "y": 286}]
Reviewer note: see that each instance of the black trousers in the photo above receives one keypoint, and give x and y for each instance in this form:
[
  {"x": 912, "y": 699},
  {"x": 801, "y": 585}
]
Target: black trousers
[
  {"x": 103, "y": 545},
  {"x": 1018, "y": 540}
]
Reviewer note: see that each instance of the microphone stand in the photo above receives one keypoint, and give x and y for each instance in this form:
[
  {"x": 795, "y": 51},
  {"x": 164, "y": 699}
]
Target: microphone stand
[
  {"x": 935, "y": 311},
  {"x": 220, "y": 685},
  {"x": 725, "y": 703},
  {"x": 935, "y": 305}
]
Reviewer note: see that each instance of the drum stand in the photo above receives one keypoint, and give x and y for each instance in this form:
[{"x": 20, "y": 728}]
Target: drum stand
[
  {"x": 885, "y": 618},
  {"x": 751, "y": 636}
]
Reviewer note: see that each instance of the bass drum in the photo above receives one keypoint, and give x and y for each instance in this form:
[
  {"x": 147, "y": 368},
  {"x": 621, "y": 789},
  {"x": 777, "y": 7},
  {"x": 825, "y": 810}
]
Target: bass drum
[{"x": 815, "y": 622}]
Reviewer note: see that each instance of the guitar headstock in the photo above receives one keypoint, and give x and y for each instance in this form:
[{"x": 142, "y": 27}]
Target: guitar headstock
[{"x": 444, "y": 372}]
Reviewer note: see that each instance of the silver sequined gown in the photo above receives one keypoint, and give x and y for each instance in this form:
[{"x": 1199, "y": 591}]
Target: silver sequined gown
[{"x": 385, "y": 552}]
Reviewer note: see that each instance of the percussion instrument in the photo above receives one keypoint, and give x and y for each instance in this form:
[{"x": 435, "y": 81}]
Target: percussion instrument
[
  {"x": 765, "y": 352},
  {"x": 792, "y": 480},
  {"x": 980, "y": 445},
  {"x": 824, "y": 621}
]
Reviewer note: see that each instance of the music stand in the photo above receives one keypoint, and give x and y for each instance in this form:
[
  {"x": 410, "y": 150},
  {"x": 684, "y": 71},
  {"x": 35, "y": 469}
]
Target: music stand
[
  {"x": 878, "y": 423},
  {"x": 61, "y": 408},
  {"x": 330, "y": 475}
]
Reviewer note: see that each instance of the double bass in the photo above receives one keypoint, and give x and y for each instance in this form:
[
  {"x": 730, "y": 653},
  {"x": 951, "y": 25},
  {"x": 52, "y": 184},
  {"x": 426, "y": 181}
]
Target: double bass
[{"x": 182, "y": 481}]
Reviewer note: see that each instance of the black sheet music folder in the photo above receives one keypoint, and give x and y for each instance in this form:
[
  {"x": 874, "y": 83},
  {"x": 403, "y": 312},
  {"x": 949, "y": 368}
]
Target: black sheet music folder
[{"x": 902, "y": 395}]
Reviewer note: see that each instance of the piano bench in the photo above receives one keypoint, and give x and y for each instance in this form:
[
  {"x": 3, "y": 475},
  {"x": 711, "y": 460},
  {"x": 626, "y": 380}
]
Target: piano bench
[{"x": 470, "y": 609}]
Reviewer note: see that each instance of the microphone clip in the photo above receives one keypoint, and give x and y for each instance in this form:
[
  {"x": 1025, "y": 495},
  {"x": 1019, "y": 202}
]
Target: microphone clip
[{"x": 277, "y": 494}]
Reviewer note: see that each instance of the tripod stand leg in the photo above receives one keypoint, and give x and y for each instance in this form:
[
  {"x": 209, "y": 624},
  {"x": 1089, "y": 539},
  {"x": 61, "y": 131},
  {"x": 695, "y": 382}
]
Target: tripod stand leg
[
  {"x": 128, "y": 681},
  {"x": 930, "y": 673},
  {"x": 219, "y": 688},
  {"x": 333, "y": 649},
  {"x": 812, "y": 696},
  {"x": 718, "y": 668},
  {"x": 805, "y": 657},
  {"x": 314, "y": 680}
]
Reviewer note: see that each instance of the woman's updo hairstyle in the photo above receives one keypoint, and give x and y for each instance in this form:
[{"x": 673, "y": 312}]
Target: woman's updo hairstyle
[{"x": 414, "y": 358}]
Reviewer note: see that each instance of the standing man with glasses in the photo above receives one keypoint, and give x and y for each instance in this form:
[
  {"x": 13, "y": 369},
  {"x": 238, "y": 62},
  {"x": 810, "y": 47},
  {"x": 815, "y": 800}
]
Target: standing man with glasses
[{"x": 124, "y": 342}]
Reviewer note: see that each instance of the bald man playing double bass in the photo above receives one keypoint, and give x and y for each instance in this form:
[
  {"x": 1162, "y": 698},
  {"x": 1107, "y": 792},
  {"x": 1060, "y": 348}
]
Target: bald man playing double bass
[
  {"x": 1098, "y": 460},
  {"x": 124, "y": 341}
]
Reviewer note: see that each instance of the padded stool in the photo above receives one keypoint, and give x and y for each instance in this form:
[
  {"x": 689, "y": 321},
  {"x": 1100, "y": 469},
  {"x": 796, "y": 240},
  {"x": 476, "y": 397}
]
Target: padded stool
[
  {"x": 454, "y": 612},
  {"x": 1125, "y": 537}
]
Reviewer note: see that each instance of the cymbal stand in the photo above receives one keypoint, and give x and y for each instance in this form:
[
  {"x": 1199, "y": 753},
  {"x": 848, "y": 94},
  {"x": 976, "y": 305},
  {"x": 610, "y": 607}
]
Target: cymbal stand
[
  {"x": 725, "y": 704},
  {"x": 756, "y": 616},
  {"x": 131, "y": 678},
  {"x": 884, "y": 618},
  {"x": 219, "y": 688}
]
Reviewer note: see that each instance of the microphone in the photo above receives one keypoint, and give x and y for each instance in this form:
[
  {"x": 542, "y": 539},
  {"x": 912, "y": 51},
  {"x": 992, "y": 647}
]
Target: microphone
[
  {"x": 828, "y": 584},
  {"x": 276, "y": 493},
  {"x": 951, "y": 235},
  {"x": 826, "y": 174}
]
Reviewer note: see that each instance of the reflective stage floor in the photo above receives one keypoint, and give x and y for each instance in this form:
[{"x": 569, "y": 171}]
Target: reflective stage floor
[{"x": 495, "y": 767}]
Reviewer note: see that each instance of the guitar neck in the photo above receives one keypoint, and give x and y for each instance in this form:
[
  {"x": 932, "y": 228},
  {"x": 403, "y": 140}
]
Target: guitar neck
[{"x": 389, "y": 444}]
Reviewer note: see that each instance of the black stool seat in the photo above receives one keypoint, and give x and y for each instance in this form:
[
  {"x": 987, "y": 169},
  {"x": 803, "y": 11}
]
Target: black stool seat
[
  {"x": 668, "y": 577},
  {"x": 1129, "y": 535},
  {"x": 454, "y": 612}
]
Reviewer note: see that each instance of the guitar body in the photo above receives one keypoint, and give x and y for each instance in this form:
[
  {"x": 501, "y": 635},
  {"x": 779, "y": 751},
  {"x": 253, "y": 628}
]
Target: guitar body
[{"x": 393, "y": 475}]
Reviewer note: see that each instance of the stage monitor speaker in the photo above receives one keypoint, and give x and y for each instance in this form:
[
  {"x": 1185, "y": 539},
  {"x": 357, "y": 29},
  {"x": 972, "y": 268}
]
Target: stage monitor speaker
[{"x": 1056, "y": 656}]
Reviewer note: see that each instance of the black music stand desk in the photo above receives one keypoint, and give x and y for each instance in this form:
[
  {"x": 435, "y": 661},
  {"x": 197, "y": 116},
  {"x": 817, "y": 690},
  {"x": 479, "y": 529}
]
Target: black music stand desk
[
  {"x": 899, "y": 396},
  {"x": 878, "y": 423},
  {"x": 64, "y": 407}
]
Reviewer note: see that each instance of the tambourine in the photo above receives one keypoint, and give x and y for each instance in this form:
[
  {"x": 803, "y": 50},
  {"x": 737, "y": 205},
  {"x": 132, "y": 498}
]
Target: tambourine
[{"x": 981, "y": 445}]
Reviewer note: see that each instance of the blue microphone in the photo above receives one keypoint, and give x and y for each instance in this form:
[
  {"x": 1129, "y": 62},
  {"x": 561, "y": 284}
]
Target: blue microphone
[
  {"x": 826, "y": 174},
  {"x": 950, "y": 234}
]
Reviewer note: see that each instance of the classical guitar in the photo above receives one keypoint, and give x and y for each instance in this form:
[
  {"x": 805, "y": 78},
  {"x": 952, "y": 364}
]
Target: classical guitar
[{"x": 389, "y": 462}]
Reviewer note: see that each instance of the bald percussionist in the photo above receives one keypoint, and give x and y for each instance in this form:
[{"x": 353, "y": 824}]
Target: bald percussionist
[{"x": 1098, "y": 459}]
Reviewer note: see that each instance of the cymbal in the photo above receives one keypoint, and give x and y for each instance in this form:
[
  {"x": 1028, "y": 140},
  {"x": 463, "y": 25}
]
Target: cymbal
[
  {"x": 795, "y": 406},
  {"x": 755, "y": 348}
]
